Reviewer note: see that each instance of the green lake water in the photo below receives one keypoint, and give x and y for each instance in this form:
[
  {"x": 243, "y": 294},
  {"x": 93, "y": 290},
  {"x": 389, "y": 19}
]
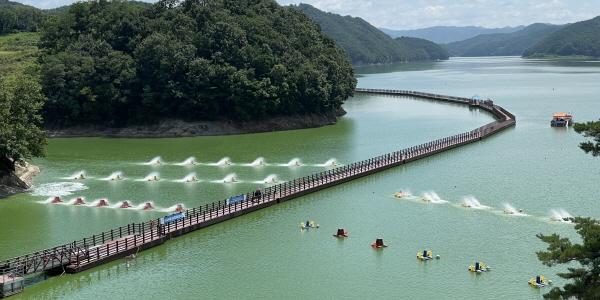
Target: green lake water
[{"x": 265, "y": 255}]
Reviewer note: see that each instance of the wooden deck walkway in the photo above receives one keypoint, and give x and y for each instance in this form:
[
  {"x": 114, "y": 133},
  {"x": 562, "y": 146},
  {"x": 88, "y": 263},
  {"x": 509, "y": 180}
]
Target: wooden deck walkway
[{"x": 129, "y": 239}]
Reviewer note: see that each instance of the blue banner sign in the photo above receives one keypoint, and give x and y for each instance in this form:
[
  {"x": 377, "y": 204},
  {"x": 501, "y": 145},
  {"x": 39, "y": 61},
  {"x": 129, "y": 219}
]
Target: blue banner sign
[
  {"x": 236, "y": 199},
  {"x": 172, "y": 218}
]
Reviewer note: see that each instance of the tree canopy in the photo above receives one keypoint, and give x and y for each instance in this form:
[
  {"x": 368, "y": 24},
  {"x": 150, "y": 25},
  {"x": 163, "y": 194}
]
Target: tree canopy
[
  {"x": 591, "y": 130},
  {"x": 116, "y": 63},
  {"x": 21, "y": 136},
  {"x": 585, "y": 276}
]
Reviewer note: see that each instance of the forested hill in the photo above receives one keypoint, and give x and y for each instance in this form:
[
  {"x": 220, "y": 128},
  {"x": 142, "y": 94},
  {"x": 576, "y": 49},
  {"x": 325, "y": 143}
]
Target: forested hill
[
  {"x": 366, "y": 44},
  {"x": 114, "y": 63},
  {"x": 448, "y": 34},
  {"x": 502, "y": 44},
  {"x": 16, "y": 17},
  {"x": 577, "y": 39}
]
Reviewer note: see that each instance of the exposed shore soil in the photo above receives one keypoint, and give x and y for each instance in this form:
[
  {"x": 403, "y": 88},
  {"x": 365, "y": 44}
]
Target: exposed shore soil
[
  {"x": 19, "y": 181},
  {"x": 178, "y": 128}
]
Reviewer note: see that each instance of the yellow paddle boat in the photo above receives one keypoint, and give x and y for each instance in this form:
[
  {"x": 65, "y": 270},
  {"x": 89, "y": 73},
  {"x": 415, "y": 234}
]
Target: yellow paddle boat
[
  {"x": 479, "y": 267},
  {"x": 539, "y": 281}
]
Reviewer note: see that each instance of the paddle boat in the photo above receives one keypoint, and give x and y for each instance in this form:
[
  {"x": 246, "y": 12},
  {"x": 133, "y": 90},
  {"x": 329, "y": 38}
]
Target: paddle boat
[
  {"x": 378, "y": 244},
  {"x": 148, "y": 206},
  {"x": 56, "y": 200},
  {"x": 341, "y": 233},
  {"x": 539, "y": 282},
  {"x": 308, "y": 225},
  {"x": 479, "y": 267},
  {"x": 101, "y": 203},
  {"x": 79, "y": 201},
  {"x": 426, "y": 255},
  {"x": 125, "y": 204}
]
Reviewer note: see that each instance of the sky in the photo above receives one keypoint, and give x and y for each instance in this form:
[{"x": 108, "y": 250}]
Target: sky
[{"x": 412, "y": 14}]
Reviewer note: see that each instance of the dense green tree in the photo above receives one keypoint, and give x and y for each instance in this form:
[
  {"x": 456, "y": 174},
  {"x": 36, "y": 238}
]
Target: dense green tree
[
  {"x": 585, "y": 275},
  {"x": 116, "y": 63},
  {"x": 21, "y": 138},
  {"x": 591, "y": 130}
]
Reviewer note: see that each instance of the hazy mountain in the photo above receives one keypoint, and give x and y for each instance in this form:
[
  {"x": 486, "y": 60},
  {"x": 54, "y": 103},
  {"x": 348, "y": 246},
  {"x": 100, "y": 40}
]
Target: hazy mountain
[
  {"x": 366, "y": 44},
  {"x": 581, "y": 38},
  {"x": 502, "y": 44},
  {"x": 448, "y": 34}
]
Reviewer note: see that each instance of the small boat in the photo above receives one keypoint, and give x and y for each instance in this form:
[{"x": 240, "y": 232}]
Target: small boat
[
  {"x": 378, "y": 244},
  {"x": 561, "y": 119},
  {"x": 192, "y": 179},
  {"x": 426, "y": 255},
  {"x": 308, "y": 225},
  {"x": 79, "y": 201},
  {"x": 56, "y": 200},
  {"x": 101, "y": 203},
  {"x": 539, "y": 282},
  {"x": 148, "y": 206},
  {"x": 465, "y": 205},
  {"x": 341, "y": 233},
  {"x": 125, "y": 204},
  {"x": 81, "y": 176},
  {"x": 153, "y": 178},
  {"x": 479, "y": 267},
  {"x": 117, "y": 178}
]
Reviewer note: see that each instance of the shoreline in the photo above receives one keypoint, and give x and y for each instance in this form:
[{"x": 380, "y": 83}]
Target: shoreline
[
  {"x": 171, "y": 128},
  {"x": 18, "y": 181}
]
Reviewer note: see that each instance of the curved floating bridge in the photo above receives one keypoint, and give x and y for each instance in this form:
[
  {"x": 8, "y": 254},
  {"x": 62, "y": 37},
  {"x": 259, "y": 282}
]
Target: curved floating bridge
[{"x": 126, "y": 240}]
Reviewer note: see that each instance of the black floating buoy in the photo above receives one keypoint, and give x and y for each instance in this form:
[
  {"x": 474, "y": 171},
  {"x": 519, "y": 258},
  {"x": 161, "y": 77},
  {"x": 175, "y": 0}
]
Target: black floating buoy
[
  {"x": 378, "y": 244},
  {"x": 341, "y": 233}
]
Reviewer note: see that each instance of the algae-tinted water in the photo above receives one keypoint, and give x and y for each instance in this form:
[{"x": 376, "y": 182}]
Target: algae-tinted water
[{"x": 265, "y": 255}]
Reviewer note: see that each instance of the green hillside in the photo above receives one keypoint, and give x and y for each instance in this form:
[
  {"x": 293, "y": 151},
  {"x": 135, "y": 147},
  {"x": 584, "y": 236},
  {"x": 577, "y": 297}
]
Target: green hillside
[
  {"x": 366, "y": 44},
  {"x": 577, "y": 39},
  {"x": 118, "y": 63},
  {"x": 16, "y": 17},
  {"x": 502, "y": 44}
]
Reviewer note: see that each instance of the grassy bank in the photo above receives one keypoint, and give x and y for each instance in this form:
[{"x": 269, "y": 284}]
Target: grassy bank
[{"x": 18, "y": 53}]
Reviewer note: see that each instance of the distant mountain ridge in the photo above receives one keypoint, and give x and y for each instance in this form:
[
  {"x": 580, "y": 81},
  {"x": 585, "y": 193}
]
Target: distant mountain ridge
[
  {"x": 365, "y": 44},
  {"x": 577, "y": 39},
  {"x": 502, "y": 44},
  {"x": 448, "y": 34}
]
